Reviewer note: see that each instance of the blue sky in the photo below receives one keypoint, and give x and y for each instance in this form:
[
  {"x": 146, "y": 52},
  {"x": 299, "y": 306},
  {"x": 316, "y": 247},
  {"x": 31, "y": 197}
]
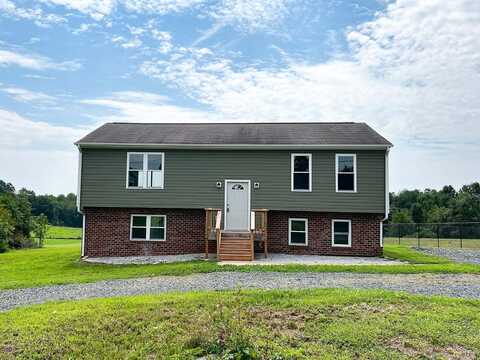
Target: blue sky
[{"x": 411, "y": 69}]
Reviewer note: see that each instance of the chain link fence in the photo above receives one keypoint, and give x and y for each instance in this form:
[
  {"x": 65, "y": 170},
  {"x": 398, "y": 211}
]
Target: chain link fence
[{"x": 447, "y": 235}]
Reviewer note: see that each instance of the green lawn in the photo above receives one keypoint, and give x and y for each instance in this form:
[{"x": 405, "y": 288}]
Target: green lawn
[
  {"x": 307, "y": 324},
  {"x": 58, "y": 263},
  {"x": 63, "y": 232},
  {"x": 429, "y": 242}
]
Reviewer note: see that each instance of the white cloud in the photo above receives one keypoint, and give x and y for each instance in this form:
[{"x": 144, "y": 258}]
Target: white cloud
[
  {"x": 27, "y": 96},
  {"x": 38, "y": 155},
  {"x": 99, "y": 9},
  {"x": 252, "y": 15},
  {"x": 38, "y": 77},
  {"x": 133, "y": 43},
  {"x": 159, "y": 6},
  {"x": 249, "y": 16},
  {"x": 36, "y": 14},
  {"x": 134, "y": 106},
  {"x": 21, "y": 133},
  {"x": 163, "y": 39},
  {"x": 35, "y": 62},
  {"x": 83, "y": 28}
]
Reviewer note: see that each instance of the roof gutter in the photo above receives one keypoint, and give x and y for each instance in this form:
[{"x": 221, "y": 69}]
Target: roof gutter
[
  {"x": 387, "y": 186},
  {"x": 92, "y": 145},
  {"x": 79, "y": 179}
]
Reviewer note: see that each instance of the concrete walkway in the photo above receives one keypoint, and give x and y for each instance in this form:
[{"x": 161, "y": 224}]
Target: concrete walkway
[
  {"x": 454, "y": 285},
  {"x": 284, "y": 259},
  {"x": 272, "y": 259}
]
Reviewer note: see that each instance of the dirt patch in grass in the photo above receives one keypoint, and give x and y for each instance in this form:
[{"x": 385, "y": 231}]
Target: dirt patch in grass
[{"x": 418, "y": 349}]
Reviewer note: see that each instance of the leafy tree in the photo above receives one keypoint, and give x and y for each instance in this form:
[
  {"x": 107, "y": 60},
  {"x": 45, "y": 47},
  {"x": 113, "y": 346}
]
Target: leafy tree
[
  {"x": 7, "y": 226},
  {"x": 417, "y": 213},
  {"x": 445, "y": 205},
  {"x": 401, "y": 216},
  {"x": 6, "y": 187},
  {"x": 39, "y": 228},
  {"x": 438, "y": 215},
  {"x": 19, "y": 210},
  {"x": 466, "y": 207}
]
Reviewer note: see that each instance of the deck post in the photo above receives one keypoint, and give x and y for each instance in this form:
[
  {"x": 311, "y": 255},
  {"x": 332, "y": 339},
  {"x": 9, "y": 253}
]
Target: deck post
[
  {"x": 418, "y": 238},
  {"x": 207, "y": 231},
  {"x": 461, "y": 235},
  {"x": 438, "y": 235},
  {"x": 265, "y": 227}
]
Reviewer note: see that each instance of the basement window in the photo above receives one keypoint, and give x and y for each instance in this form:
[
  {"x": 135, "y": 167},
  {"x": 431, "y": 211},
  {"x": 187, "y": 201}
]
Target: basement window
[
  {"x": 145, "y": 170},
  {"x": 346, "y": 172},
  {"x": 342, "y": 233},
  {"x": 301, "y": 172},
  {"x": 148, "y": 227},
  {"x": 298, "y": 232}
]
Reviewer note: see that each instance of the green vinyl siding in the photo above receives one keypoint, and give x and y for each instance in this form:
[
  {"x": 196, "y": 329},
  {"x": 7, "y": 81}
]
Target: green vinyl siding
[{"x": 191, "y": 176}]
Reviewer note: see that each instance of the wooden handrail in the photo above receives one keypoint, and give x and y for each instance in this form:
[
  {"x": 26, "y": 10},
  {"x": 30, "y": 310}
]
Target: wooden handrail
[
  {"x": 260, "y": 227},
  {"x": 218, "y": 231},
  {"x": 210, "y": 223}
]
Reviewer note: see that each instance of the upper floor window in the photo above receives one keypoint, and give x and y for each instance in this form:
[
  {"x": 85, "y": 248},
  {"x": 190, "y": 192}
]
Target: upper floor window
[
  {"x": 145, "y": 170},
  {"x": 346, "y": 172},
  {"x": 301, "y": 176}
]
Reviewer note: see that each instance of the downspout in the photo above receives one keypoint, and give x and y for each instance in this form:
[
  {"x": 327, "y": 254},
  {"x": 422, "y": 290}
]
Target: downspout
[
  {"x": 387, "y": 196},
  {"x": 79, "y": 206}
]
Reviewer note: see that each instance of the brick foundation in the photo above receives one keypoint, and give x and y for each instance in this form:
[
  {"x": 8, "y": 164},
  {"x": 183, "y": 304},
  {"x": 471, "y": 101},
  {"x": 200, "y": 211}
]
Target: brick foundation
[
  {"x": 365, "y": 234},
  {"x": 107, "y": 233}
]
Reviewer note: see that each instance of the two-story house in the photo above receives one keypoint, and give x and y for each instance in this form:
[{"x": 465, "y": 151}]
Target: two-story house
[{"x": 298, "y": 188}]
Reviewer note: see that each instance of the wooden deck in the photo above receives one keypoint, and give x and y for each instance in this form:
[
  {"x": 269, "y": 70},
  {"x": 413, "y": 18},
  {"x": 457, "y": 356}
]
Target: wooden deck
[{"x": 236, "y": 246}]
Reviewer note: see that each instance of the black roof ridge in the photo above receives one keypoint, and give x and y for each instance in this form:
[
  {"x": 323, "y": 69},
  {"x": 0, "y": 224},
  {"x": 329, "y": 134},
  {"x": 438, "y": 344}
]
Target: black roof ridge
[{"x": 234, "y": 123}]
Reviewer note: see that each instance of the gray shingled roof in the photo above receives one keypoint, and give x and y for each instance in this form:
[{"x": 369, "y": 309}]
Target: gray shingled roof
[{"x": 305, "y": 133}]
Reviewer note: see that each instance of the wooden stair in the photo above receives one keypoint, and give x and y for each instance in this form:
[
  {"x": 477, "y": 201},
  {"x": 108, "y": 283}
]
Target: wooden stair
[{"x": 235, "y": 246}]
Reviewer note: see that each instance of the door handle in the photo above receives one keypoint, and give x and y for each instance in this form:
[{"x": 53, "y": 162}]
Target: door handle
[{"x": 228, "y": 207}]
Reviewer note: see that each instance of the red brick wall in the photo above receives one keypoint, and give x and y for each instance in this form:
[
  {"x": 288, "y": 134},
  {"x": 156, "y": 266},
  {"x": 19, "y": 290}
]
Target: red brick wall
[
  {"x": 365, "y": 233},
  {"x": 107, "y": 233}
]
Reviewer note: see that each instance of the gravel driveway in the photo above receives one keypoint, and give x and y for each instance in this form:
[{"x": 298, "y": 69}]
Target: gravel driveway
[
  {"x": 457, "y": 255},
  {"x": 454, "y": 285}
]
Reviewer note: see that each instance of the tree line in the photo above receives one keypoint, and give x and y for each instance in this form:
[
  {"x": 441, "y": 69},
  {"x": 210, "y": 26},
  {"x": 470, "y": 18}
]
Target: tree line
[
  {"x": 24, "y": 213},
  {"x": 436, "y": 206}
]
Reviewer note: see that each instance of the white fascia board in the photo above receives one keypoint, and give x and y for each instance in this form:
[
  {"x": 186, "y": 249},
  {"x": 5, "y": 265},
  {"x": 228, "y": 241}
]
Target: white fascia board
[{"x": 235, "y": 146}]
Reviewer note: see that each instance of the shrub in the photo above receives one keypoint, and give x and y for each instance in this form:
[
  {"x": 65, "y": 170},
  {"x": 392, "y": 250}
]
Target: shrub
[{"x": 3, "y": 246}]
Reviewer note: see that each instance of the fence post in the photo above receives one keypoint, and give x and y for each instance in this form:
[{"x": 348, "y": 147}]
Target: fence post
[
  {"x": 398, "y": 231},
  {"x": 438, "y": 235},
  {"x": 418, "y": 238},
  {"x": 461, "y": 235}
]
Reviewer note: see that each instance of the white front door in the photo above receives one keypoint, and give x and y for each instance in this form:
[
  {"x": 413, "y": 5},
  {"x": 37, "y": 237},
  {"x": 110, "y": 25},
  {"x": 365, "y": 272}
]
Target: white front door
[{"x": 237, "y": 204}]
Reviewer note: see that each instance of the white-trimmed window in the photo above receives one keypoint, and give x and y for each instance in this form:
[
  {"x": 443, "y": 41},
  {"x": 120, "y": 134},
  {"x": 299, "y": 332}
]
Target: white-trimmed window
[
  {"x": 298, "y": 232},
  {"x": 301, "y": 172},
  {"x": 346, "y": 172},
  {"x": 148, "y": 227},
  {"x": 145, "y": 170},
  {"x": 342, "y": 233}
]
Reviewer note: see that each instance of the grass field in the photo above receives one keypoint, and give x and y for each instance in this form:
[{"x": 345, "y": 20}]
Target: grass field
[
  {"x": 429, "y": 242},
  {"x": 307, "y": 324},
  {"x": 58, "y": 263},
  {"x": 63, "y": 232}
]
